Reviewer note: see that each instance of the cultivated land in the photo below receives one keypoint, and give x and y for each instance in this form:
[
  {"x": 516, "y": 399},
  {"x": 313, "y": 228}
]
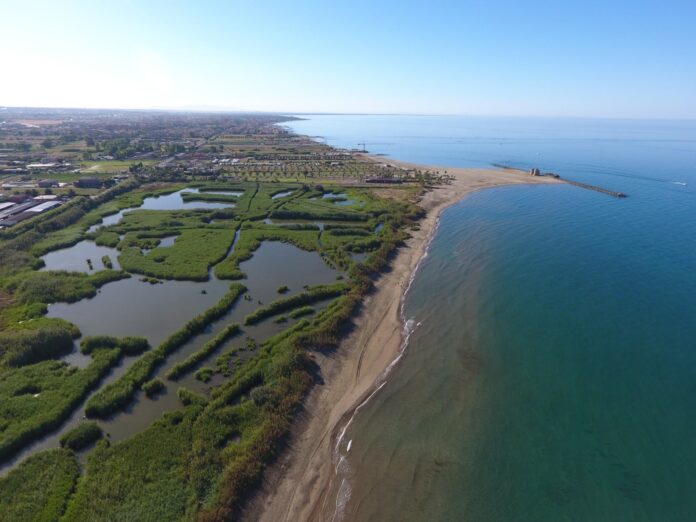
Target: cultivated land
[{"x": 185, "y": 427}]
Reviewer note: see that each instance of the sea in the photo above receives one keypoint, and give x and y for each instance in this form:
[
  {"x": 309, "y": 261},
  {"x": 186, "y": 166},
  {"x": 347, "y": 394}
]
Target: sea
[{"x": 550, "y": 368}]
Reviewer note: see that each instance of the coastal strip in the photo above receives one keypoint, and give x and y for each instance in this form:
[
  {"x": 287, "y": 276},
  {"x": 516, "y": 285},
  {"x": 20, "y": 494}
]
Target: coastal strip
[{"x": 296, "y": 487}]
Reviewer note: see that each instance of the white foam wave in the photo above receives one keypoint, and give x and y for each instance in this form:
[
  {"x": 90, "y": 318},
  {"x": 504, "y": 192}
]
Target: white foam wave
[{"x": 409, "y": 326}]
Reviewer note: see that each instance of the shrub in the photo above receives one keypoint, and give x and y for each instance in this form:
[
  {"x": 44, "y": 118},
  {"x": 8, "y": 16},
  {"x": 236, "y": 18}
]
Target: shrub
[
  {"x": 301, "y": 312},
  {"x": 204, "y": 374},
  {"x": 20, "y": 347},
  {"x": 153, "y": 387},
  {"x": 108, "y": 239},
  {"x": 127, "y": 345},
  {"x": 61, "y": 389},
  {"x": 317, "y": 293},
  {"x": 83, "y": 435},
  {"x": 133, "y": 345},
  {"x": 202, "y": 353},
  {"x": 187, "y": 397},
  {"x": 39, "y": 487},
  {"x": 117, "y": 394}
]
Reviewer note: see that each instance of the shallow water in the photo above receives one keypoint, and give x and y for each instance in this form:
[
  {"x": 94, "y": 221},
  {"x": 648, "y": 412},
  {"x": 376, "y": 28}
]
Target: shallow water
[
  {"x": 74, "y": 258},
  {"x": 133, "y": 307},
  {"x": 167, "y": 241},
  {"x": 172, "y": 201},
  {"x": 282, "y": 194},
  {"x": 236, "y": 193},
  {"x": 550, "y": 372}
]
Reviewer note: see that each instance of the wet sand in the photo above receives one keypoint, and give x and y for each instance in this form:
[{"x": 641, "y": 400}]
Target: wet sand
[{"x": 296, "y": 486}]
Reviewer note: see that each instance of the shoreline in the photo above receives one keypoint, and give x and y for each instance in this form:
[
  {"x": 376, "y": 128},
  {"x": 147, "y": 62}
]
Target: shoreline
[{"x": 297, "y": 484}]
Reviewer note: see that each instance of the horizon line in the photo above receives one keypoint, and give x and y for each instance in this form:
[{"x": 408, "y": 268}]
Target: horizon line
[{"x": 220, "y": 110}]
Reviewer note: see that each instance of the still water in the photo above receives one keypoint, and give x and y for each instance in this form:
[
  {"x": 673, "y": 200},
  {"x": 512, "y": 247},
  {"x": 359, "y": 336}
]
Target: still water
[
  {"x": 133, "y": 307},
  {"x": 550, "y": 373}
]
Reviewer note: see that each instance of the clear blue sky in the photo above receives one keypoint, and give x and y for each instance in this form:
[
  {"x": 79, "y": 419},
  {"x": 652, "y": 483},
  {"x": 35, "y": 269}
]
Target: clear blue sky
[{"x": 512, "y": 57}]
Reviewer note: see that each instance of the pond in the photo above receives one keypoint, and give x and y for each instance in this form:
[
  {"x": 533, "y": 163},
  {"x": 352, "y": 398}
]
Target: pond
[
  {"x": 359, "y": 257},
  {"x": 235, "y": 193},
  {"x": 300, "y": 268},
  {"x": 132, "y": 307},
  {"x": 341, "y": 197},
  {"x": 282, "y": 194},
  {"x": 74, "y": 258},
  {"x": 172, "y": 201},
  {"x": 167, "y": 241}
]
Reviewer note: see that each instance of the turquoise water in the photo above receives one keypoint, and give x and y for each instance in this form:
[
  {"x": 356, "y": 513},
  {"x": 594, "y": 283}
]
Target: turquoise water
[{"x": 551, "y": 372}]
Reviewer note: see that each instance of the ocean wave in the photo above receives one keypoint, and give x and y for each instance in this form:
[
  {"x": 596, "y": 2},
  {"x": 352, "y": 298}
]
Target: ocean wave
[{"x": 342, "y": 469}]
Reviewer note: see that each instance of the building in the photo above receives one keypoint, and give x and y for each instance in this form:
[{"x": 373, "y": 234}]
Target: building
[
  {"x": 42, "y": 207},
  {"x": 88, "y": 182},
  {"x": 48, "y": 183},
  {"x": 41, "y": 166}
]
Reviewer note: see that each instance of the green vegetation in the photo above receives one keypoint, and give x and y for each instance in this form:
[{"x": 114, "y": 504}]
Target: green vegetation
[
  {"x": 204, "y": 374},
  {"x": 153, "y": 387},
  {"x": 301, "y": 312},
  {"x": 250, "y": 238},
  {"x": 127, "y": 345},
  {"x": 20, "y": 347},
  {"x": 187, "y": 397},
  {"x": 191, "y": 256},
  {"x": 141, "y": 478},
  {"x": 201, "y": 461},
  {"x": 202, "y": 353},
  {"x": 38, "y": 489},
  {"x": 318, "y": 293},
  {"x": 85, "y": 434},
  {"x": 117, "y": 394},
  {"x": 51, "y": 287},
  {"x": 35, "y": 399},
  {"x": 107, "y": 239}
]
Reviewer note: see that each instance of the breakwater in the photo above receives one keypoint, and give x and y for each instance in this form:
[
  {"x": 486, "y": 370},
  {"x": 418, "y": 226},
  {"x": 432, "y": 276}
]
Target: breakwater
[{"x": 537, "y": 172}]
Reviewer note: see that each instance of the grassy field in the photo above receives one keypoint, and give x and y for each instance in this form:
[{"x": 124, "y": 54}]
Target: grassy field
[
  {"x": 39, "y": 489},
  {"x": 95, "y": 168}
]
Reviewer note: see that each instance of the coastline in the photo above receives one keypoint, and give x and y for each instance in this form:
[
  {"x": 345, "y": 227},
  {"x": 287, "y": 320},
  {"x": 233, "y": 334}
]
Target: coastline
[{"x": 296, "y": 486}]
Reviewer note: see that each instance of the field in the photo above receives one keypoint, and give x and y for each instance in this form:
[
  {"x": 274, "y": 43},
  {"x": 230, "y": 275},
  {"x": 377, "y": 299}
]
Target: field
[{"x": 237, "y": 391}]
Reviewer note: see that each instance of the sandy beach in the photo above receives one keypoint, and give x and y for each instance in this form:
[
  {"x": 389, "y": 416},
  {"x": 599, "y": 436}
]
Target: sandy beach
[{"x": 296, "y": 486}]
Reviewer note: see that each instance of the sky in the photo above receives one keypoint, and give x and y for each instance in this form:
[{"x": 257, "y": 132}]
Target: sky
[{"x": 616, "y": 59}]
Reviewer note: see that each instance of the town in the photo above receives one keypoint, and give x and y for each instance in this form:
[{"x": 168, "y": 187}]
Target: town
[{"x": 48, "y": 156}]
